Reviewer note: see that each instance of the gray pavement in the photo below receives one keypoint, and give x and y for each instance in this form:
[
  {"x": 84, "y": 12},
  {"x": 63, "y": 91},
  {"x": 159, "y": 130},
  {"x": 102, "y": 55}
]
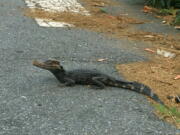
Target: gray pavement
[
  {"x": 134, "y": 9},
  {"x": 33, "y": 103}
]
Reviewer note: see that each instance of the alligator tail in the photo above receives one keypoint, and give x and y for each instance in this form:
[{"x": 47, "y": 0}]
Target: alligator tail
[{"x": 139, "y": 88}]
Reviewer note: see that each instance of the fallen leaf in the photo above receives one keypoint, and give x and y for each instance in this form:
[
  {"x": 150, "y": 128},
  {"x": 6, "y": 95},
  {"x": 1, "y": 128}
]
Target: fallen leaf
[
  {"x": 149, "y": 36},
  {"x": 166, "y": 53},
  {"x": 98, "y": 4},
  {"x": 100, "y": 60},
  {"x": 177, "y": 77},
  {"x": 163, "y": 22},
  {"x": 149, "y": 50},
  {"x": 112, "y": 17},
  {"x": 158, "y": 16},
  {"x": 177, "y": 27},
  {"x": 147, "y": 9}
]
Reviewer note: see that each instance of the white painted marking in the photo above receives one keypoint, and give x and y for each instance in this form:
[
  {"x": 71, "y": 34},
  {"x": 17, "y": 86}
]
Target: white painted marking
[
  {"x": 48, "y": 23},
  {"x": 56, "y": 6}
]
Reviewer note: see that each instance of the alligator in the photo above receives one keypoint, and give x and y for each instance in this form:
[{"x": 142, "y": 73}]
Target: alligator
[{"x": 93, "y": 78}]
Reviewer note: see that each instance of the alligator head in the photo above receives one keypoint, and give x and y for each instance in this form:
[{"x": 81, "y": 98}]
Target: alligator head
[{"x": 49, "y": 64}]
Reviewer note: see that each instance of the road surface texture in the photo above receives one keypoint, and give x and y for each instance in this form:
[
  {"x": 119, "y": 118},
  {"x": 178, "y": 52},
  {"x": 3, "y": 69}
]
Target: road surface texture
[{"x": 33, "y": 103}]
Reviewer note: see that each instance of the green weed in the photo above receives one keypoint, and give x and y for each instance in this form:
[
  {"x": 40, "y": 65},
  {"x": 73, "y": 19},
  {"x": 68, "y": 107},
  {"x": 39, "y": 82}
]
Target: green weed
[
  {"x": 169, "y": 112},
  {"x": 102, "y": 10}
]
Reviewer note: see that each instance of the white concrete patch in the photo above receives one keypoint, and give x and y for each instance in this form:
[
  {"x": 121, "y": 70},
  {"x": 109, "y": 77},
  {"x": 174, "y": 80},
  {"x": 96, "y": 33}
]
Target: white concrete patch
[{"x": 56, "y": 6}]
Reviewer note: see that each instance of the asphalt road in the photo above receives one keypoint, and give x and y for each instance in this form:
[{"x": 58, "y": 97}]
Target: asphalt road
[{"x": 33, "y": 103}]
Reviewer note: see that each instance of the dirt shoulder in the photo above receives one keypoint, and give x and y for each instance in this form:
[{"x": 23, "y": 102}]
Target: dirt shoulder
[{"x": 159, "y": 74}]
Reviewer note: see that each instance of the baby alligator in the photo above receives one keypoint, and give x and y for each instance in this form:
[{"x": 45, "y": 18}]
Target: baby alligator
[{"x": 95, "y": 79}]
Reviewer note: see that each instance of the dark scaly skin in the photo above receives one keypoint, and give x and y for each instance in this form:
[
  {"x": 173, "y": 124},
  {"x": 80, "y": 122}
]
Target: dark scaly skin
[{"x": 93, "y": 78}]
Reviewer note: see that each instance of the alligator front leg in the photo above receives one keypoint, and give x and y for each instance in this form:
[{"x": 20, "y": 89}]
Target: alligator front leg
[{"x": 69, "y": 82}]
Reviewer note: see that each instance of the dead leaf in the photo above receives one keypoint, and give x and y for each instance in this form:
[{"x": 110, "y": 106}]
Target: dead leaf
[
  {"x": 100, "y": 60},
  {"x": 149, "y": 50},
  {"x": 177, "y": 77},
  {"x": 167, "y": 53},
  {"x": 177, "y": 27},
  {"x": 147, "y": 9},
  {"x": 149, "y": 36},
  {"x": 98, "y": 4},
  {"x": 163, "y": 22},
  {"x": 111, "y": 17}
]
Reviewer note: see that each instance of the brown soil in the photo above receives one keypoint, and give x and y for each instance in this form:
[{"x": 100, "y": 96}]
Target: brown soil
[{"x": 158, "y": 73}]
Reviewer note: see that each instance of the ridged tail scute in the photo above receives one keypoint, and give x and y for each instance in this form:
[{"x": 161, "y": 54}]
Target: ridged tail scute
[{"x": 140, "y": 88}]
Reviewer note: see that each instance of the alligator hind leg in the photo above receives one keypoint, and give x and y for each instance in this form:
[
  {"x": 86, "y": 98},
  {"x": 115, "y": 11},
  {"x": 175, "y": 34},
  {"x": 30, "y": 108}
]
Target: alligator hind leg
[{"x": 98, "y": 82}]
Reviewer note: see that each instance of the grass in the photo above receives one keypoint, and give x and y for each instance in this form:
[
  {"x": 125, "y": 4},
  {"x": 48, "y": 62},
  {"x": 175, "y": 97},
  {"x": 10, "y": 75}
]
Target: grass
[
  {"x": 170, "y": 11},
  {"x": 172, "y": 113},
  {"x": 102, "y": 10}
]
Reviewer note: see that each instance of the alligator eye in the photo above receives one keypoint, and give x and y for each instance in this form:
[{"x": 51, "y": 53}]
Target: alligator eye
[
  {"x": 52, "y": 61},
  {"x": 56, "y": 62}
]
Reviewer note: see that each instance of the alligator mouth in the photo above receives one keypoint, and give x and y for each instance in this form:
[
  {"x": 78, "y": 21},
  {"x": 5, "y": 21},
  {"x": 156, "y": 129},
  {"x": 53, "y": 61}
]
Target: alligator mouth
[{"x": 48, "y": 64}]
